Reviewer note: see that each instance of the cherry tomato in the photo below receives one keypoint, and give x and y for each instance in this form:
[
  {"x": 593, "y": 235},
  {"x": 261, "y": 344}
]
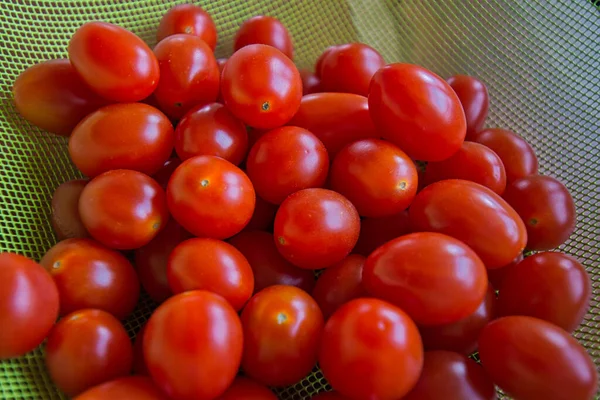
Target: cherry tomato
[
  {"x": 263, "y": 216},
  {"x": 190, "y": 19},
  {"x": 264, "y": 30},
  {"x": 310, "y": 82},
  {"x": 65, "y": 218},
  {"x": 28, "y": 305},
  {"x": 53, "y": 97},
  {"x": 261, "y": 86},
  {"x": 114, "y": 62},
  {"x": 221, "y": 63},
  {"x": 139, "y": 362},
  {"x": 374, "y": 232},
  {"x": 371, "y": 350},
  {"x": 210, "y": 197},
  {"x": 474, "y": 98},
  {"x": 328, "y": 396},
  {"x": 211, "y": 130},
  {"x": 122, "y": 136},
  {"x": 547, "y": 209},
  {"x": 246, "y": 389},
  {"x": 474, "y": 214},
  {"x": 534, "y": 359},
  {"x": 130, "y": 388},
  {"x": 418, "y": 111},
  {"x": 164, "y": 173},
  {"x": 320, "y": 60},
  {"x": 497, "y": 276},
  {"x": 193, "y": 345},
  {"x": 316, "y": 228},
  {"x": 87, "y": 348}
]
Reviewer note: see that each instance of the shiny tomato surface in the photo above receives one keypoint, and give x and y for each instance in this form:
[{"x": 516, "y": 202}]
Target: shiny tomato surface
[
  {"x": 190, "y": 19},
  {"x": 263, "y": 29},
  {"x": 474, "y": 98}
]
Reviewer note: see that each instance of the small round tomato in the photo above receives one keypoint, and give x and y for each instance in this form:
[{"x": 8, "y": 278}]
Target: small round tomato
[
  {"x": 246, "y": 389},
  {"x": 28, "y": 305},
  {"x": 189, "y": 19},
  {"x": 130, "y": 387},
  {"x": 319, "y": 62},
  {"x": 497, "y": 276},
  {"x": 316, "y": 228},
  {"x": 87, "y": 348},
  {"x": 286, "y": 160},
  {"x": 139, "y": 362},
  {"x": 329, "y": 396},
  {"x": 310, "y": 82},
  {"x": 418, "y": 111},
  {"x": 547, "y": 209},
  {"x": 263, "y": 29},
  {"x": 474, "y": 98},
  {"x": 193, "y": 345},
  {"x": 375, "y": 232},
  {"x": 263, "y": 216},
  {"x": 122, "y": 136},
  {"x": 534, "y": 359},
  {"x": 282, "y": 330},
  {"x": 261, "y": 86},
  {"x": 65, "y": 218},
  {"x": 210, "y": 197},
  {"x": 371, "y": 350},
  {"x": 114, "y": 62},
  {"x": 164, "y": 173}
]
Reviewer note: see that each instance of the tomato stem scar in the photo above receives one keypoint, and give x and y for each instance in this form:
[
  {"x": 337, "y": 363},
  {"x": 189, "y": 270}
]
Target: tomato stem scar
[
  {"x": 204, "y": 182},
  {"x": 266, "y": 106}
]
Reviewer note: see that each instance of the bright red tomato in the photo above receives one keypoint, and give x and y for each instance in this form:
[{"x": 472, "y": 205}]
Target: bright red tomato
[
  {"x": 474, "y": 98},
  {"x": 130, "y": 388},
  {"x": 87, "y": 348},
  {"x": 190, "y": 19},
  {"x": 375, "y": 232},
  {"x": 263, "y": 216},
  {"x": 316, "y": 228},
  {"x": 320, "y": 60},
  {"x": 261, "y": 86},
  {"x": 497, "y": 276},
  {"x": 210, "y": 197},
  {"x": 264, "y": 30},
  {"x": 310, "y": 82},
  {"x": 328, "y": 396},
  {"x": 246, "y": 389},
  {"x": 139, "y": 362},
  {"x": 418, "y": 111},
  {"x": 114, "y": 62},
  {"x": 474, "y": 214},
  {"x": 122, "y": 136},
  {"x": 164, "y": 173},
  {"x": 193, "y": 345},
  {"x": 534, "y": 359},
  {"x": 371, "y": 350},
  {"x": 65, "y": 218}
]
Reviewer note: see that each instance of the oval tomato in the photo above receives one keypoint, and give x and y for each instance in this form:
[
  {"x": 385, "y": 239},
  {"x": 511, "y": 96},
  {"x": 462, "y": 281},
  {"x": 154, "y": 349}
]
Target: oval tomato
[
  {"x": 319, "y": 62},
  {"x": 164, "y": 173},
  {"x": 130, "y": 387},
  {"x": 65, "y": 218},
  {"x": 310, "y": 82},
  {"x": 264, "y": 30},
  {"x": 375, "y": 232},
  {"x": 246, "y": 389},
  {"x": 474, "y": 98},
  {"x": 263, "y": 216},
  {"x": 189, "y": 19},
  {"x": 497, "y": 276}
]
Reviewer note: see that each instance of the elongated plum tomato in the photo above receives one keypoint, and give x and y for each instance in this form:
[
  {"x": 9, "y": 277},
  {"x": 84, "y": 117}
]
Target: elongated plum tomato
[
  {"x": 374, "y": 232},
  {"x": 261, "y": 86},
  {"x": 65, "y": 218},
  {"x": 247, "y": 389},
  {"x": 475, "y": 101},
  {"x": 129, "y": 387},
  {"x": 189, "y": 19},
  {"x": 310, "y": 82},
  {"x": 319, "y": 62},
  {"x": 473, "y": 214},
  {"x": 418, "y": 111},
  {"x": 53, "y": 97},
  {"x": 131, "y": 76},
  {"x": 263, "y": 29}
]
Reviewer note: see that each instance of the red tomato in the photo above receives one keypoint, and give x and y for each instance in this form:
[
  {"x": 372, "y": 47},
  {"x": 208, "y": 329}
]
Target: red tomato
[
  {"x": 28, "y": 305},
  {"x": 211, "y": 130},
  {"x": 474, "y": 214},
  {"x": 310, "y": 82},
  {"x": 122, "y": 136},
  {"x": 87, "y": 348},
  {"x": 246, "y": 389},
  {"x": 282, "y": 330},
  {"x": 320, "y": 60},
  {"x": 114, "y": 62},
  {"x": 418, "y": 111},
  {"x": 474, "y": 98},
  {"x": 164, "y": 173},
  {"x": 210, "y": 197},
  {"x": 286, "y": 160},
  {"x": 316, "y": 228},
  {"x": 497, "y": 276},
  {"x": 534, "y": 359},
  {"x": 547, "y": 209},
  {"x": 221, "y": 63},
  {"x": 193, "y": 345},
  {"x": 263, "y": 216},
  {"x": 264, "y": 30},
  {"x": 130, "y": 388},
  {"x": 371, "y": 350},
  {"x": 328, "y": 396},
  {"x": 261, "y": 86},
  {"x": 65, "y": 218},
  {"x": 139, "y": 363},
  {"x": 374, "y": 232},
  {"x": 190, "y": 19}
]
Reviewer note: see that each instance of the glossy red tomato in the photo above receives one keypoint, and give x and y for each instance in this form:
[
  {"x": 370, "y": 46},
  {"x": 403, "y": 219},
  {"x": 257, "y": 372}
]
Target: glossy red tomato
[
  {"x": 65, "y": 218},
  {"x": 193, "y": 345},
  {"x": 328, "y": 396},
  {"x": 282, "y": 330},
  {"x": 310, "y": 82},
  {"x": 263, "y": 216},
  {"x": 418, "y": 111},
  {"x": 261, "y": 86},
  {"x": 474, "y": 214},
  {"x": 319, "y": 62},
  {"x": 122, "y": 136},
  {"x": 221, "y": 63},
  {"x": 87, "y": 348},
  {"x": 130, "y": 388},
  {"x": 534, "y": 359},
  {"x": 474, "y": 98},
  {"x": 316, "y": 228},
  {"x": 113, "y": 61},
  {"x": 164, "y": 173},
  {"x": 190, "y": 19},
  {"x": 497, "y": 276},
  {"x": 374, "y": 232},
  {"x": 139, "y": 362},
  {"x": 28, "y": 305},
  {"x": 246, "y": 389},
  {"x": 547, "y": 209},
  {"x": 210, "y": 197},
  {"x": 264, "y": 30},
  {"x": 371, "y": 350}
]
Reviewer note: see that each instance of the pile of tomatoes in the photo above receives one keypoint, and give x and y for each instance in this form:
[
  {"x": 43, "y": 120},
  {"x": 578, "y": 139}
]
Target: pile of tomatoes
[{"x": 269, "y": 175}]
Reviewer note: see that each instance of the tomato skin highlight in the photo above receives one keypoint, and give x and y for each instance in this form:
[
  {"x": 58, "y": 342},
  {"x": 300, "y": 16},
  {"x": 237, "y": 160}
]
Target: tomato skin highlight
[
  {"x": 189, "y": 19},
  {"x": 473, "y": 95},
  {"x": 263, "y": 29}
]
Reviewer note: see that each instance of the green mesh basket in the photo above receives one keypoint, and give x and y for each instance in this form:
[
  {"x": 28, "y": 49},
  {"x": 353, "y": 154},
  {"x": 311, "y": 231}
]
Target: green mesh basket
[{"x": 540, "y": 60}]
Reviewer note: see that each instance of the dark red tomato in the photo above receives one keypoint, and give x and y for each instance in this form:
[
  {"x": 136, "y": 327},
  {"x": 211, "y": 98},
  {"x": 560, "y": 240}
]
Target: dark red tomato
[
  {"x": 374, "y": 232},
  {"x": 547, "y": 209},
  {"x": 210, "y": 197},
  {"x": 261, "y": 86},
  {"x": 164, "y": 174},
  {"x": 130, "y": 388},
  {"x": 329, "y": 396},
  {"x": 497, "y": 276},
  {"x": 122, "y": 136},
  {"x": 376, "y": 176},
  {"x": 264, "y": 30},
  {"x": 452, "y": 376},
  {"x": 189, "y": 19},
  {"x": 371, "y": 350},
  {"x": 246, "y": 389},
  {"x": 475, "y": 101},
  {"x": 28, "y": 305},
  {"x": 282, "y": 330},
  {"x": 516, "y": 154},
  {"x": 87, "y": 348},
  {"x": 263, "y": 216},
  {"x": 316, "y": 228},
  {"x": 53, "y": 97},
  {"x": 221, "y": 63},
  {"x": 534, "y": 359},
  {"x": 474, "y": 214},
  {"x": 193, "y": 345},
  {"x": 114, "y": 62},
  {"x": 139, "y": 363},
  {"x": 320, "y": 60},
  {"x": 310, "y": 82},
  {"x": 418, "y": 111},
  {"x": 472, "y": 162},
  {"x": 65, "y": 218}
]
